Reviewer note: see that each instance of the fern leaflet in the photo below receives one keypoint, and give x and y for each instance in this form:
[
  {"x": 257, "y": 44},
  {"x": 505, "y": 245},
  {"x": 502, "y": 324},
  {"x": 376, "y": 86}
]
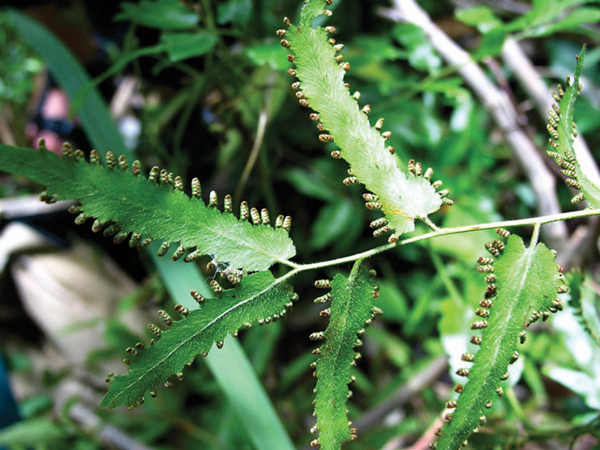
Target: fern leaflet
[
  {"x": 154, "y": 208},
  {"x": 351, "y": 310},
  {"x": 523, "y": 284},
  {"x": 403, "y": 197},
  {"x": 583, "y": 300},
  {"x": 260, "y": 297},
  {"x": 563, "y": 132}
]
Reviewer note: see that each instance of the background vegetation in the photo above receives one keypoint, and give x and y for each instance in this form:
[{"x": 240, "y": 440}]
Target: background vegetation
[{"x": 212, "y": 97}]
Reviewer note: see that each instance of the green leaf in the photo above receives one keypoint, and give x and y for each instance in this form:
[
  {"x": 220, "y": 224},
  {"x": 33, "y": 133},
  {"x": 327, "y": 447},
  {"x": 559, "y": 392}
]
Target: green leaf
[
  {"x": 342, "y": 214},
  {"x": 180, "y": 46},
  {"x": 563, "y": 132},
  {"x": 491, "y": 43},
  {"x": 314, "y": 182},
  {"x": 523, "y": 282},
  {"x": 351, "y": 308},
  {"x": 421, "y": 54},
  {"x": 236, "y": 11},
  {"x": 571, "y": 21},
  {"x": 149, "y": 210},
  {"x": 271, "y": 54},
  {"x": 481, "y": 17},
  {"x": 230, "y": 366},
  {"x": 259, "y": 297},
  {"x": 579, "y": 328},
  {"x": 162, "y": 14},
  {"x": 70, "y": 76},
  {"x": 32, "y": 432},
  {"x": 403, "y": 197},
  {"x": 584, "y": 302},
  {"x": 117, "y": 66}
]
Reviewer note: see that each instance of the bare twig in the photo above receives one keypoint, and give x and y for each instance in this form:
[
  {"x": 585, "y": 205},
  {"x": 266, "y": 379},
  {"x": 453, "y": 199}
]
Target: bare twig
[
  {"x": 109, "y": 435},
  {"x": 417, "y": 383},
  {"x": 500, "y": 108},
  {"x": 263, "y": 119},
  {"x": 534, "y": 85},
  {"x": 504, "y": 6},
  {"x": 532, "y": 82}
]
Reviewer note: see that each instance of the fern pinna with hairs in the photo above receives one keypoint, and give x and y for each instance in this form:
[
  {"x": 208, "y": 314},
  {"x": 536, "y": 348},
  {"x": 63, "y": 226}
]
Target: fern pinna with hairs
[{"x": 127, "y": 205}]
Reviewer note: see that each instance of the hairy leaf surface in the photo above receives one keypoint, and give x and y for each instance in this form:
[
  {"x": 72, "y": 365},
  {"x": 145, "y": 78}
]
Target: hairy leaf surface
[
  {"x": 156, "y": 211},
  {"x": 526, "y": 285},
  {"x": 351, "y": 308},
  {"x": 258, "y": 297},
  {"x": 563, "y": 131},
  {"x": 403, "y": 197}
]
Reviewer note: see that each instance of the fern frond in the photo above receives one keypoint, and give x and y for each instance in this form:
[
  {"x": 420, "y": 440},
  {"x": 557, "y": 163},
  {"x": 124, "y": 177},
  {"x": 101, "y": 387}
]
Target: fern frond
[
  {"x": 126, "y": 205},
  {"x": 583, "y": 300},
  {"x": 563, "y": 132},
  {"x": 260, "y": 297},
  {"x": 350, "y": 312},
  {"x": 402, "y": 196},
  {"x": 522, "y": 288}
]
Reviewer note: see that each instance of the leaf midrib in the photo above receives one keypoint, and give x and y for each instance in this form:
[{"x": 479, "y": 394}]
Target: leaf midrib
[{"x": 190, "y": 338}]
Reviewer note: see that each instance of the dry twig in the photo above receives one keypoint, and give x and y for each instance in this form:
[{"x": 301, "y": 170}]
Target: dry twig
[{"x": 500, "y": 108}]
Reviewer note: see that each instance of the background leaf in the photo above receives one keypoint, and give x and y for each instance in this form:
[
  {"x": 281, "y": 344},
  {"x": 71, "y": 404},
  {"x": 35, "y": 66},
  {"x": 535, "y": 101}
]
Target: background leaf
[
  {"x": 163, "y": 14},
  {"x": 180, "y": 46}
]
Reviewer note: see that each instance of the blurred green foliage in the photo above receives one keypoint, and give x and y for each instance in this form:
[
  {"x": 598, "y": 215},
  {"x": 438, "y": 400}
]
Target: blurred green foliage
[
  {"x": 18, "y": 65},
  {"x": 214, "y": 69}
]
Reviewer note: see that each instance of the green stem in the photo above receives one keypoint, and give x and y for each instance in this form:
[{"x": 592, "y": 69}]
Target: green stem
[
  {"x": 535, "y": 221},
  {"x": 430, "y": 224},
  {"x": 515, "y": 405},
  {"x": 536, "y": 235},
  {"x": 334, "y": 262},
  {"x": 207, "y": 15},
  {"x": 446, "y": 280}
]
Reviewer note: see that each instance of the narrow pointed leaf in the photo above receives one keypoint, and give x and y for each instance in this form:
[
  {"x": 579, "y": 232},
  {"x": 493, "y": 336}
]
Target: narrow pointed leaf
[
  {"x": 403, "y": 197},
  {"x": 526, "y": 286},
  {"x": 563, "y": 132},
  {"x": 259, "y": 296},
  {"x": 137, "y": 205},
  {"x": 70, "y": 75},
  {"x": 351, "y": 307}
]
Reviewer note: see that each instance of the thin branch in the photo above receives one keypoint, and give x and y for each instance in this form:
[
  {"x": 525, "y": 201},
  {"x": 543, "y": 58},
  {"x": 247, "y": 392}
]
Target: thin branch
[
  {"x": 500, "y": 108},
  {"x": 535, "y": 221},
  {"x": 430, "y": 224},
  {"x": 419, "y": 381},
  {"x": 263, "y": 120},
  {"x": 110, "y": 436},
  {"x": 535, "y": 235}
]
